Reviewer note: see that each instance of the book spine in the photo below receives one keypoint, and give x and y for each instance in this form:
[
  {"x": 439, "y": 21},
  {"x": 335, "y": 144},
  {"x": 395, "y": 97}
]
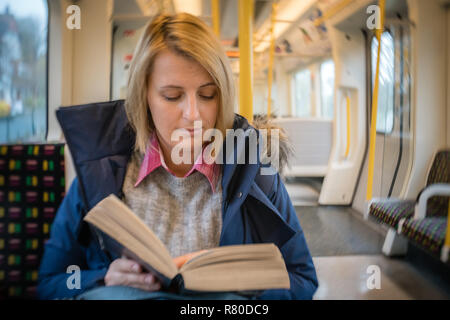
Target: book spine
[{"x": 177, "y": 284}]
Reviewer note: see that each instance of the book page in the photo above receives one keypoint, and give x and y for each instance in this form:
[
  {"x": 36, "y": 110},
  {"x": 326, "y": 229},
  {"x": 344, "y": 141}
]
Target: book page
[
  {"x": 181, "y": 260},
  {"x": 236, "y": 268},
  {"x": 114, "y": 218},
  {"x": 238, "y": 276},
  {"x": 258, "y": 251}
]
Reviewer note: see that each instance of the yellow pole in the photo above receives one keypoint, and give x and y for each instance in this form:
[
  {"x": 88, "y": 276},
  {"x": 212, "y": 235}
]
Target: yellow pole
[
  {"x": 373, "y": 123},
  {"x": 271, "y": 55},
  {"x": 245, "y": 20},
  {"x": 348, "y": 127},
  {"x": 336, "y": 8},
  {"x": 215, "y": 9}
]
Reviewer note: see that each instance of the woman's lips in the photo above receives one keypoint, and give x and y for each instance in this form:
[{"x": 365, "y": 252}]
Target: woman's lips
[{"x": 193, "y": 131}]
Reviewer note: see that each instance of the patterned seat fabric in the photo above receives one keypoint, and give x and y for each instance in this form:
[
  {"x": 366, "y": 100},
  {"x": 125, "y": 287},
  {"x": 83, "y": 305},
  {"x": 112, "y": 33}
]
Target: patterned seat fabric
[
  {"x": 428, "y": 233},
  {"x": 32, "y": 187},
  {"x": 439, "y": 173},
  {"x": 390, "y": 212}
]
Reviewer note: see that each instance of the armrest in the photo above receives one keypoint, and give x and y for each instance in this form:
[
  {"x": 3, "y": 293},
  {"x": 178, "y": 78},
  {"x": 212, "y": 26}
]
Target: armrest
[{"x": 437, "y": 189}]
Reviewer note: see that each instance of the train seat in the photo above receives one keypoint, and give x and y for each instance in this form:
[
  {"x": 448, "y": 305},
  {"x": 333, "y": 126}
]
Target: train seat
[
  {"x": 32, "y": 186},
  {"x": 309, "y": 159},
  {"x": 429, "y": 233},
  {"x": 391, "y": 212},
  {"x": 426, "y": 226}
]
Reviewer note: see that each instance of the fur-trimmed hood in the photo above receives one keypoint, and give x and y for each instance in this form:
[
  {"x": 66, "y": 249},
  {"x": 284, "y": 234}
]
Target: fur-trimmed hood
[{"x": 285, "y": 150}]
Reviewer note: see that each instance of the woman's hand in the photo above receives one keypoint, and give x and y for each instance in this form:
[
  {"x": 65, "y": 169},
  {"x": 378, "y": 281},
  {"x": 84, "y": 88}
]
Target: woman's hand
[{"x": 126, "y": 272}]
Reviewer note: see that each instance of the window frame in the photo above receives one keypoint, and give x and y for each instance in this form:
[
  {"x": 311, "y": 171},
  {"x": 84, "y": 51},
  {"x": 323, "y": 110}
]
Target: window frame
[
  {"x": 320, "y": 63},
  {"x": 294, "y": 81},
  {"x": 315, "y": 88},
  {"x": 371, "y": 39},
  {"x": 47, "y": 95}
]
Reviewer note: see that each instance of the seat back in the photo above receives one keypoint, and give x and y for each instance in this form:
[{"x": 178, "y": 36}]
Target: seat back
[
  {"x": 439, "y": 173},
  {"x": 309, "y": 159},
  {"x": 32, "y": 187}
]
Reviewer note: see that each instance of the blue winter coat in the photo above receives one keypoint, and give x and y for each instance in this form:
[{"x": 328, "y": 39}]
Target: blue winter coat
[{"x": 256, "y": 208}]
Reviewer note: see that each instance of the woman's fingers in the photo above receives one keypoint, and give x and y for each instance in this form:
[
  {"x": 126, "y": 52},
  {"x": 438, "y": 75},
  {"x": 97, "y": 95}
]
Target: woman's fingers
[
  {"x": 126, "y": 265},
  {"x": 129, "y": 273},
  {"x": 146, "y": 280},
  {"x": 130, "y": 279},
  {"x": 148, "y": 285}
]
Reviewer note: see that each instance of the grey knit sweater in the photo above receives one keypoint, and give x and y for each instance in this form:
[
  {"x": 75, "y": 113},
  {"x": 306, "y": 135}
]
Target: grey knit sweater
[{"x": 183, "y": 212}]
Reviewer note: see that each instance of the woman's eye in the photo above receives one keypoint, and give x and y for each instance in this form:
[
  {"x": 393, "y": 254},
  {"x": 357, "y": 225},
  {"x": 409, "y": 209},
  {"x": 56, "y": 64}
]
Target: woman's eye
[
  {"x": 208, "y": 97},
  {"x": 172, "y": 98}
]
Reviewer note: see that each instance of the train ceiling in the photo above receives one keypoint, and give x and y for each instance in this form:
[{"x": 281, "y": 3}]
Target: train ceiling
[{"x": 298, "y": 36}]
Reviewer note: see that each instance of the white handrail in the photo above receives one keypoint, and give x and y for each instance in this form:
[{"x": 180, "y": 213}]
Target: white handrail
[{"x": 437, "y": 189}]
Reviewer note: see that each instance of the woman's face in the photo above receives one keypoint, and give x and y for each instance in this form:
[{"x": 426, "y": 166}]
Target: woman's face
[{"x": 180, "y": 92}]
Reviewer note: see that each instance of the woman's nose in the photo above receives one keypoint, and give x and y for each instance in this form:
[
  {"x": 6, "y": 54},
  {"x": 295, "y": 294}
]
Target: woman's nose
[{"x": 191, "y": 112}]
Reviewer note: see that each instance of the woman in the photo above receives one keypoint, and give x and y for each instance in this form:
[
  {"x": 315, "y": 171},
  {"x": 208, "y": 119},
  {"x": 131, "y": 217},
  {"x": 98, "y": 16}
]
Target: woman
[{"x": 180, "y": 85}]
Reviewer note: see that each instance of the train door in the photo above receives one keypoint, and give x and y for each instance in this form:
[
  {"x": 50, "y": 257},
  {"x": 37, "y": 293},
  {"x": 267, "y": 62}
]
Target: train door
[{"x": 394, "y": 135}]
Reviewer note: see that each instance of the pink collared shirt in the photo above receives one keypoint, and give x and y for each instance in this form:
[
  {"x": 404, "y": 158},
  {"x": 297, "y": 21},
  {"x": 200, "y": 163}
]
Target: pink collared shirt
[{"x": 153, "y": 159}]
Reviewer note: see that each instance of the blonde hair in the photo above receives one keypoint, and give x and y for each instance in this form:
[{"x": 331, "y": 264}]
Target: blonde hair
[{"x": 186, "y": 35}]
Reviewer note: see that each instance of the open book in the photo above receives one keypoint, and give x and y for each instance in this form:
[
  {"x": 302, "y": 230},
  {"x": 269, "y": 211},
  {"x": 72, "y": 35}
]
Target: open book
[{"x": 248, "y": 267}]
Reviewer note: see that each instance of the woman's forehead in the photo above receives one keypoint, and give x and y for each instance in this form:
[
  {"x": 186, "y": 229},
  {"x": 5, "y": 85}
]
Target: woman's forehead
[{"x": 175, "y": 70}]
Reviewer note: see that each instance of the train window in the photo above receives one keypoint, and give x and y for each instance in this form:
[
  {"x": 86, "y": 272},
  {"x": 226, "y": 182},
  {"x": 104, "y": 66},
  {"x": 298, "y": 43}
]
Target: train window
[
  {"x": 385, "y": 114},
  {"x": 125, "y": 37},
  {"x": 327, "y": 88},
  {"x": 302, "y": 83},
  {"x": 23, "y": 70}
]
